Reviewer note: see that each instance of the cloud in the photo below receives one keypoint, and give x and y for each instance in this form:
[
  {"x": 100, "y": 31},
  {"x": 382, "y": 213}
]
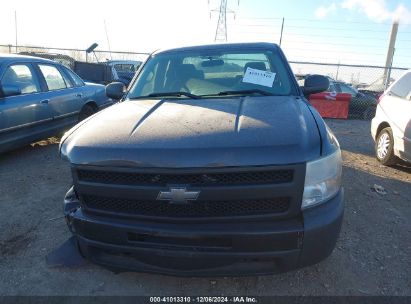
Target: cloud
[
  {"x": 378, "y": 11},
  {"x": 322, "y": 11}
]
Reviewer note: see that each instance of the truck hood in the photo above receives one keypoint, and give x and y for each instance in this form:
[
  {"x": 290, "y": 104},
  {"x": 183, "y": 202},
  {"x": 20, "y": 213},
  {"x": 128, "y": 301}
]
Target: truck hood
[{"x": 186, "y": 133}]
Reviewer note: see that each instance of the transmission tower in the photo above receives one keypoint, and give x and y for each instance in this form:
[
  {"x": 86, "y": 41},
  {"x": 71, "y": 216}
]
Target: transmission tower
[{"x": 221, "y": 31}]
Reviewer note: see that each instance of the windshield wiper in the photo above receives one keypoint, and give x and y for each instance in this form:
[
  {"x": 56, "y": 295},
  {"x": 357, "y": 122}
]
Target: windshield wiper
[
  {"x": 245, "y": 92},
  {"x": 178, "y": 94}
]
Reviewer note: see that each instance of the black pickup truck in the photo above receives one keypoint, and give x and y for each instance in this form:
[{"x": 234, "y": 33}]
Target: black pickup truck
[{"x": 213, "y": 163}]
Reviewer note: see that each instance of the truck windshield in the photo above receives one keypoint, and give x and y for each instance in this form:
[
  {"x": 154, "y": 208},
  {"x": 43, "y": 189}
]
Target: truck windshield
[{"x": 211, "y": 73}]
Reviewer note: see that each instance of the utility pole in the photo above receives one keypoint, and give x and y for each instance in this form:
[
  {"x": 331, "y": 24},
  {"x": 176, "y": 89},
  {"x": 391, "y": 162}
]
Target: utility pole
[
  {"x": 282, "y": 27},
  {"x": 15, "y": 26},
  {"x": 108, "y": 41},
  {"x": 338, "y": 69},
  {"x": 390, "y": 54}
]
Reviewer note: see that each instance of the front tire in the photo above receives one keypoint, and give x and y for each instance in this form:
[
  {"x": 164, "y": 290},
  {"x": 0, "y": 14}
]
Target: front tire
[
  {"x": 384, "y": 147},
  {"x": 85, "y": 112}
]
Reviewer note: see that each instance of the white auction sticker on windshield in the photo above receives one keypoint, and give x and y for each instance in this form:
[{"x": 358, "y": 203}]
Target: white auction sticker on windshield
[{"x": 259, "y": 77}]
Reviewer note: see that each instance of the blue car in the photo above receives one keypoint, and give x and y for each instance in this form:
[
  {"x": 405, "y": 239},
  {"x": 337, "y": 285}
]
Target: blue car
[{"x": 40, "y": 98}]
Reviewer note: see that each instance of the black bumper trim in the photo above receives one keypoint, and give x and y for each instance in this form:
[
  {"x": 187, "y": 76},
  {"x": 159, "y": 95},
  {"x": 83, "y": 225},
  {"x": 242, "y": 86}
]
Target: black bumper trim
[
  {"x": 149, "y": 261},
  {"x": 316, "y": 235}
]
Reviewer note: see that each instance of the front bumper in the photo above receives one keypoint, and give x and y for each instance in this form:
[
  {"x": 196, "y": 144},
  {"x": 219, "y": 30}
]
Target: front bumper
[{"x": 207, "y": 249}]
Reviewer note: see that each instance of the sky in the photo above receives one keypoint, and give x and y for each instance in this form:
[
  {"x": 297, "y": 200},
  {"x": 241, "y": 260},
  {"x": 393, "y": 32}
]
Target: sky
[{"x": 339, "y": 31}]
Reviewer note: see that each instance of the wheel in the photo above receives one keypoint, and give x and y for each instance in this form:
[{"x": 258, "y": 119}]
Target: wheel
[
  {"x": 369, "y": 113},
  {"x": 384, "y": 147},
  {"x": 85, "y": 112}
]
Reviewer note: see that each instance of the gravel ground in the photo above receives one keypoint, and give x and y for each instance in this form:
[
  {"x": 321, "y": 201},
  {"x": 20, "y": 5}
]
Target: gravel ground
[{"x": 372, "y": 256}]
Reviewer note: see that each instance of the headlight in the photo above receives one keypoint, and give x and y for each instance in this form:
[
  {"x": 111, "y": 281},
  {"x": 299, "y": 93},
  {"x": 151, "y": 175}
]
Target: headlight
[{"x": 322, "y": 179}]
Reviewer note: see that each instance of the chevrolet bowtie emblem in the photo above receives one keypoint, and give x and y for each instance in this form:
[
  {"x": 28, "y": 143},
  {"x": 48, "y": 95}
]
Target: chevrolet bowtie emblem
[{"x": 178, "y": 195}]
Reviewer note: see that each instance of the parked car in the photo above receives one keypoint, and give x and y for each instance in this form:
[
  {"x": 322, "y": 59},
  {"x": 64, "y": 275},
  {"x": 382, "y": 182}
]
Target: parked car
[
  {"x": 213, "y": 163},
  {"x": 391, "y": 126},
  {"x": 40, "y": 98},
  {"x": 361, "y": 106},
  {"x": 93, "y": 72},
  {"x": 106, "y": 72},
  {"x": 376, "y": 88}
]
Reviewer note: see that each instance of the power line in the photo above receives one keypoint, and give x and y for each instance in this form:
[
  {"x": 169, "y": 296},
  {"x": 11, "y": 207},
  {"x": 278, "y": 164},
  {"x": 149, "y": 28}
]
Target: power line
[
  {"x": 337, "y": 44},
  {"x": 330, "y": 51},
  {"x": 254, "y": 32},
  {"x": 312, "y": 20},
  {"x": 331, "y": 60},
  {"x": 349, "y": 53},
  {"x": 339, "y": 37},
  {"x": 314, "y": 35},
  {"x": 307, "y": 27},
  {"x": 345, "y": 44},
  {"x": 336, "y": 29}
]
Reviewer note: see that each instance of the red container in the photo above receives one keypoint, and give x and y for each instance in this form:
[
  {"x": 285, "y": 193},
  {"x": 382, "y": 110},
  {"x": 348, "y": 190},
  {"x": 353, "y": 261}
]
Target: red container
[{"x": 331, "y": 104}]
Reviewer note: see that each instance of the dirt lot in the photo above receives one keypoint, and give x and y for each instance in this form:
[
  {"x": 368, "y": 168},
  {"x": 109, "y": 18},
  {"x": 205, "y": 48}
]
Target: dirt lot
[{"x": 372, "y": 256}]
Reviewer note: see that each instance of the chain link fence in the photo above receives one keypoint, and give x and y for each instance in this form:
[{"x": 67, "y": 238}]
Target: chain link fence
[
  {"x": 97, "y": 66},
  {"x": 76, "y": 54},
  {"x": 364, "y": 83}
]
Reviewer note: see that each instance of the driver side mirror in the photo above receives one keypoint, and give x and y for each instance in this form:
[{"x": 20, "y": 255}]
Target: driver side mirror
[
  {"x": 115, "y": 90},
  {"x": 315, "y": 84},
  {"x": 10, "y": 90}
]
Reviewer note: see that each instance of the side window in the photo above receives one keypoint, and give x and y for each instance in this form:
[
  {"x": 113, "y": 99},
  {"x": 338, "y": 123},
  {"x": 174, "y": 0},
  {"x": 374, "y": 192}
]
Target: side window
[
  {"x": 53, "y": 77},
  {"x": 402, "y": 87},
  {"x": 78, "y": 82},
  {"x": 67, "y": 79},
  {"x": 20, "y": 75},
  {"x": 124, "y": 67}
]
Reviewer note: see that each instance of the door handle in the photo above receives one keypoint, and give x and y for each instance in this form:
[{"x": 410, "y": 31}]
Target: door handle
[
  {"x": 79, "y": 95},
  {"x": 45, "y": 101}
]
